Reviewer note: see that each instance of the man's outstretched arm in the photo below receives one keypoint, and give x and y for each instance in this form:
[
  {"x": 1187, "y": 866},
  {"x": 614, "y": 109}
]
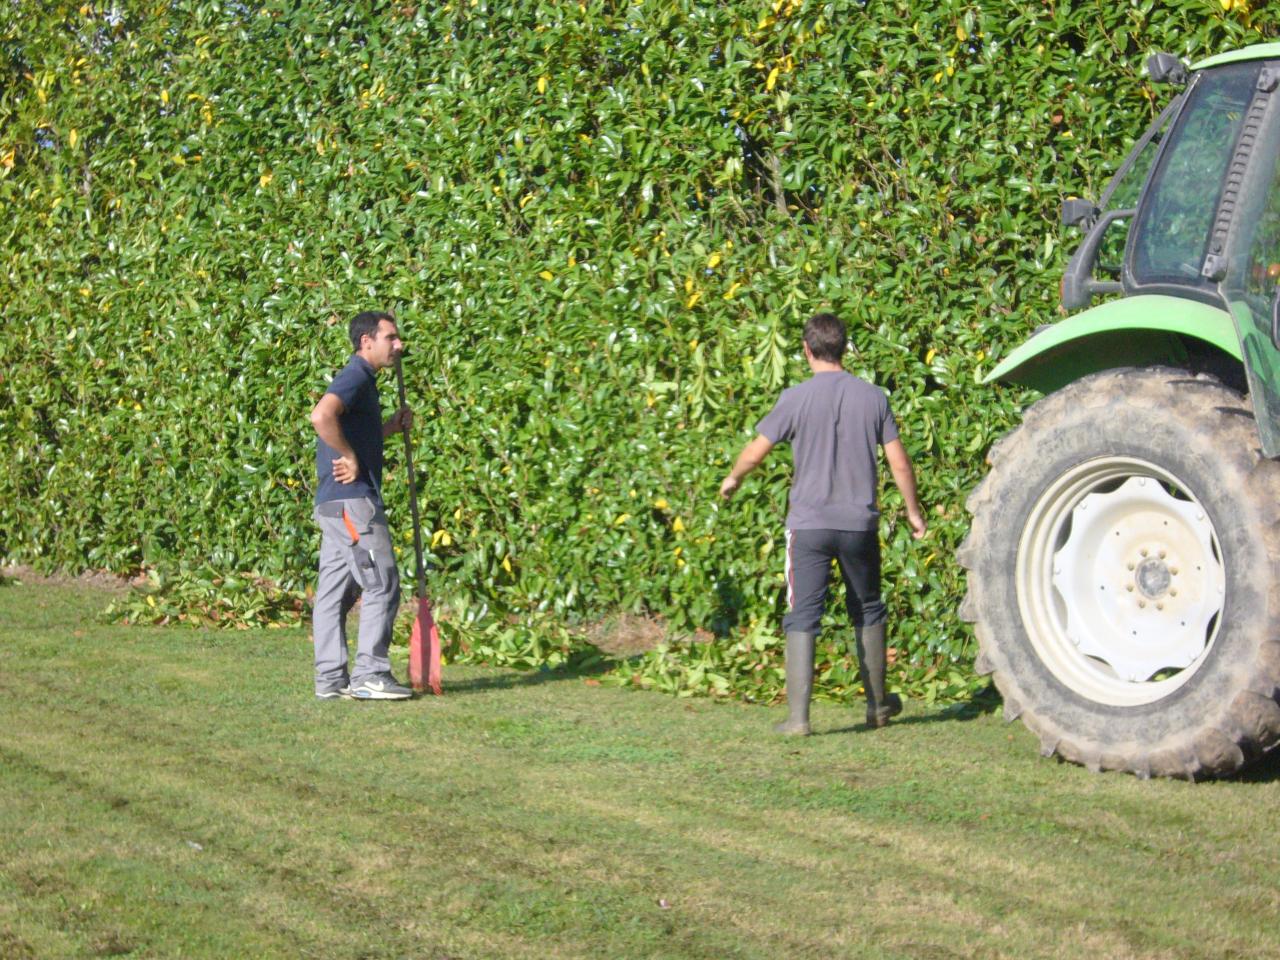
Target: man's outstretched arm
[
  {"x": 752, "y": 456},
  {"x": 905, "y": 478}
]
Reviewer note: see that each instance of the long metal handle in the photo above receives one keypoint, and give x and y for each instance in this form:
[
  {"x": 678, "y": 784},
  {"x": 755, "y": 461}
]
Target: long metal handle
[{"x": 421, "y": 578}]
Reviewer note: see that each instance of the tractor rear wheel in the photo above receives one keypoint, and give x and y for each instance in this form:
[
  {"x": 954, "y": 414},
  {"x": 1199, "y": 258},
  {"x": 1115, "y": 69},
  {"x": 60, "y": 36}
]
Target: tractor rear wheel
[{"x": 1124, "y": 575}]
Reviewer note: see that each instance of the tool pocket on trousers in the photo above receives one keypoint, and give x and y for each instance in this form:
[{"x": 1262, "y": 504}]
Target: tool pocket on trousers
[{"x": 370, "y": 577}]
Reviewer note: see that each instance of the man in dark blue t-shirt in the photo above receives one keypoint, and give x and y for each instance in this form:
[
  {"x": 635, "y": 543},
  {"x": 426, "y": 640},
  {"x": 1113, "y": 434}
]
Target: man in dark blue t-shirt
[
  {"x": 834, "y": 422},
  {"x": 355, "y": 546}
]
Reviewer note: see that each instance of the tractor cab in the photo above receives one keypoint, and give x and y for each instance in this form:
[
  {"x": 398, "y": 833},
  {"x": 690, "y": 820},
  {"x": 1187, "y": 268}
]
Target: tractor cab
[{"x": 1192, "y": 214}]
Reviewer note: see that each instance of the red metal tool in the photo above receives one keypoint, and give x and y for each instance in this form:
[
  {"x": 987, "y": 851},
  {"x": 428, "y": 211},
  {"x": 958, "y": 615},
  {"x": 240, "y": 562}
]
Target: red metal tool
[{"x": 424, "y": 642}]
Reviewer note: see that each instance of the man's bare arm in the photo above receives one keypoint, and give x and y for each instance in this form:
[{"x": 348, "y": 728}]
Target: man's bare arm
[
  {"x": 752, "y": 456},
  {"x": 398, "y": 422},
  {"x": 905, "y": 479},
  {"x": 324, "y": 418}
]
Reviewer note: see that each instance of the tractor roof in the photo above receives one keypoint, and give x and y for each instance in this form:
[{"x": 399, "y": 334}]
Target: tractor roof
[{"x": 1259, "y": 51}]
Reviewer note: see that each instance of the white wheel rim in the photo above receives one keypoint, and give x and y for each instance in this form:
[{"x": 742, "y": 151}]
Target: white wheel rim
[{"x": 1120, "y": 581}]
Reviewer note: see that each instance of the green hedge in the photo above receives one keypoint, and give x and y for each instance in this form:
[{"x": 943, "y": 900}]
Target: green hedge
[{"x": 601, "y": 225}]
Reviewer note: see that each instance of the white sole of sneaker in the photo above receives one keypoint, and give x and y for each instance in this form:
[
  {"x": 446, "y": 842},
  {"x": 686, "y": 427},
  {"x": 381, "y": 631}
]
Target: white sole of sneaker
[{"x": 379, "y": 695}]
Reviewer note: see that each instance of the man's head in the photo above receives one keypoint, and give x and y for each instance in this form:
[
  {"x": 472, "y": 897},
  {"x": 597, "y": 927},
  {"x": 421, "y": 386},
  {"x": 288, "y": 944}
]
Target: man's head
[
  {"x": 375, "y": 338},
  {"x": 825, "y": 337}
]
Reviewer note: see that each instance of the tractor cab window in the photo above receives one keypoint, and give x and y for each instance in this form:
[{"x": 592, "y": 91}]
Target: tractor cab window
[
  {"x": 1255, "y": 275},
  {"x": 1122, "y": 194},
  {"x": 1171, "y": 231}
]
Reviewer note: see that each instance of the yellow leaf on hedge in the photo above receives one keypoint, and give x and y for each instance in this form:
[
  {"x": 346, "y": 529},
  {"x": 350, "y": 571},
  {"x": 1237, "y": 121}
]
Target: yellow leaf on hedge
[
  {"x": 265, "y": 179},
  {"x": 506, "y": 564},
  {"x": 678, "y": 525},
  {"x": 732, "y": 290},
  {"x": 622, "y": 518},
  {"x": 542, "y": 84},
  {"x": 661, "y": 503},
  {"x": 772, "y": 80},
  {"x": 713, "y": 261},
  {"x": 693, "y": 300},
  {"x": 961, "y": 35},
  {"x": 547, "y": 275},
  {"x": 928, "y": 357},
  {"x": 164, "y": 97},
  {"x": 73, "y": 138}
]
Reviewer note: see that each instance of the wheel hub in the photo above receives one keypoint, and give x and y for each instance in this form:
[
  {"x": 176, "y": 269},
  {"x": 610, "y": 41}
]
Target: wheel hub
[
  {"x": 1138, "y": 578},
  {"x": 1153, "y": 578}
]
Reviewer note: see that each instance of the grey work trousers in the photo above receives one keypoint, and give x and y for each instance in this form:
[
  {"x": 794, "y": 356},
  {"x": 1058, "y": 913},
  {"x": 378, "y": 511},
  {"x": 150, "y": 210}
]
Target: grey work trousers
[{"x": 355, "y": 558}]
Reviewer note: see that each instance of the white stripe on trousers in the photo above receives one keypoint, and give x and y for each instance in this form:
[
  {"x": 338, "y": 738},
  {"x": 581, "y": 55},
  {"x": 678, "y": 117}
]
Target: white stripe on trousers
[{"x": 791, "y": 587}]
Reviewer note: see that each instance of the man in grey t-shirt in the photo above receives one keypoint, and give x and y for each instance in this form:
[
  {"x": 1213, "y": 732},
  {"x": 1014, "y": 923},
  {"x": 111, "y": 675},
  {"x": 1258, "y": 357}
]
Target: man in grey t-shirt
[{"x": 834, "y": 422}]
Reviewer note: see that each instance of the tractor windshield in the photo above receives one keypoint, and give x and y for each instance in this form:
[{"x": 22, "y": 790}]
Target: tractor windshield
[{"x": 1171, "y": 231}]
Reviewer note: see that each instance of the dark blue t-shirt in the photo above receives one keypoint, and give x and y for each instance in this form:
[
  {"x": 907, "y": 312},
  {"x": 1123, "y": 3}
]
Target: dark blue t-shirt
[{"x": 361, "y": 421}]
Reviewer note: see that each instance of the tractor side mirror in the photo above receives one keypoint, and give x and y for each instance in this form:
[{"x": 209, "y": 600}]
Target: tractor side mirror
[
  {"x": 1078, "y": 212},
  {"x": 1166, "y": 68}
]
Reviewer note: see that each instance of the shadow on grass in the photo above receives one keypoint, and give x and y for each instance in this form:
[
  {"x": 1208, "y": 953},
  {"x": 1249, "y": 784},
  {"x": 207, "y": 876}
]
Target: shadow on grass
[
  {"x": 1266, "y": 769},
  {"x": 511, "y": 678},
  {"x": 984, "y": 702}
]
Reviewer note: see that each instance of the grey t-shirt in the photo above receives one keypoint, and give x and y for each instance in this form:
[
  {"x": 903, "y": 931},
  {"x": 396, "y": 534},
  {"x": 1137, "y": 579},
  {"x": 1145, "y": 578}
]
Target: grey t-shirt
[{"x": 834, "y": 421}]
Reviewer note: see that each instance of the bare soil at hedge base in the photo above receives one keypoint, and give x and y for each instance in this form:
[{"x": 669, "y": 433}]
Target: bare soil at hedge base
[
  {"x": 178, "y": 792},
  {"x": 626, "y": 635},
  {"x": 108, "y": 583}
]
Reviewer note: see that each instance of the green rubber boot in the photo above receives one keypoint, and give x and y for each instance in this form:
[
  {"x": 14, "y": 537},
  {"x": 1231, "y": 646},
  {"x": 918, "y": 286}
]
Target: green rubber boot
[
  {"x": 871, "y": 665},
  {"x": 799, "y": 685}
]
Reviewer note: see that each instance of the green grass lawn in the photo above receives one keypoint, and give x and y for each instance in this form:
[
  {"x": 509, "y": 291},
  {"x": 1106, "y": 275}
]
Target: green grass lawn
[{"x": 172, "y": 792}]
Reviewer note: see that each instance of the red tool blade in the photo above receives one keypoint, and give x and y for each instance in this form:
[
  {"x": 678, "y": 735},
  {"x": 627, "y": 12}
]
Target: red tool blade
[{"x": 424, "y": 650}]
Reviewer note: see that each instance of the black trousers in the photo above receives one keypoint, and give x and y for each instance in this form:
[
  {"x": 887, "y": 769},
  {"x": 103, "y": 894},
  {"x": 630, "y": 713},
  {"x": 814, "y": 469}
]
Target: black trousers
[{"x": 809, "y": 556}]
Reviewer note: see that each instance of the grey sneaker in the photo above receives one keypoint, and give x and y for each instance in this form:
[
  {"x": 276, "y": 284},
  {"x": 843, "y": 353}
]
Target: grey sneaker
[
  {"x": 335, "y": 693},
  {"x": 381, "y": 686}
]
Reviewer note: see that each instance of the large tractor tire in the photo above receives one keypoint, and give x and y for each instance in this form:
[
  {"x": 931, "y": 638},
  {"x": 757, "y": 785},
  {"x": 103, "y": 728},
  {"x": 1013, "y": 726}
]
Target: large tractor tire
[{"x": 1124, "y": 575}]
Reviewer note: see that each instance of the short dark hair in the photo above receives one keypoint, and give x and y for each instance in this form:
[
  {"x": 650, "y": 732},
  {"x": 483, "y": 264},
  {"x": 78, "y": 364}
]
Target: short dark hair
[
  {"x": 366, "y": 325},
  {"x": 824, "y": 333}
]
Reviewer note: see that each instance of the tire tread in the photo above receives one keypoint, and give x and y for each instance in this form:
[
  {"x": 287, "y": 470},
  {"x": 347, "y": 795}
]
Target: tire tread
[{"x": 1249, "y": 724}]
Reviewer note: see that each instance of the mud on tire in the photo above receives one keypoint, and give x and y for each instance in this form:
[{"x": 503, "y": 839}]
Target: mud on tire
[{"x": 1124, "y": 575}]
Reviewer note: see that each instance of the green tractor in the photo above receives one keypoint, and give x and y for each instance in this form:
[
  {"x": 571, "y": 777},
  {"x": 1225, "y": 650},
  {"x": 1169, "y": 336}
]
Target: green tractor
[{"x": 1124, "y": 556}]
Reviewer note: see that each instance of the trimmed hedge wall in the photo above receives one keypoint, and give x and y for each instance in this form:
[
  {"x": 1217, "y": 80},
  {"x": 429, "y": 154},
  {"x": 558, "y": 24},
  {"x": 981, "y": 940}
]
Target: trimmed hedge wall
[{"x": 601, "y": 225}]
